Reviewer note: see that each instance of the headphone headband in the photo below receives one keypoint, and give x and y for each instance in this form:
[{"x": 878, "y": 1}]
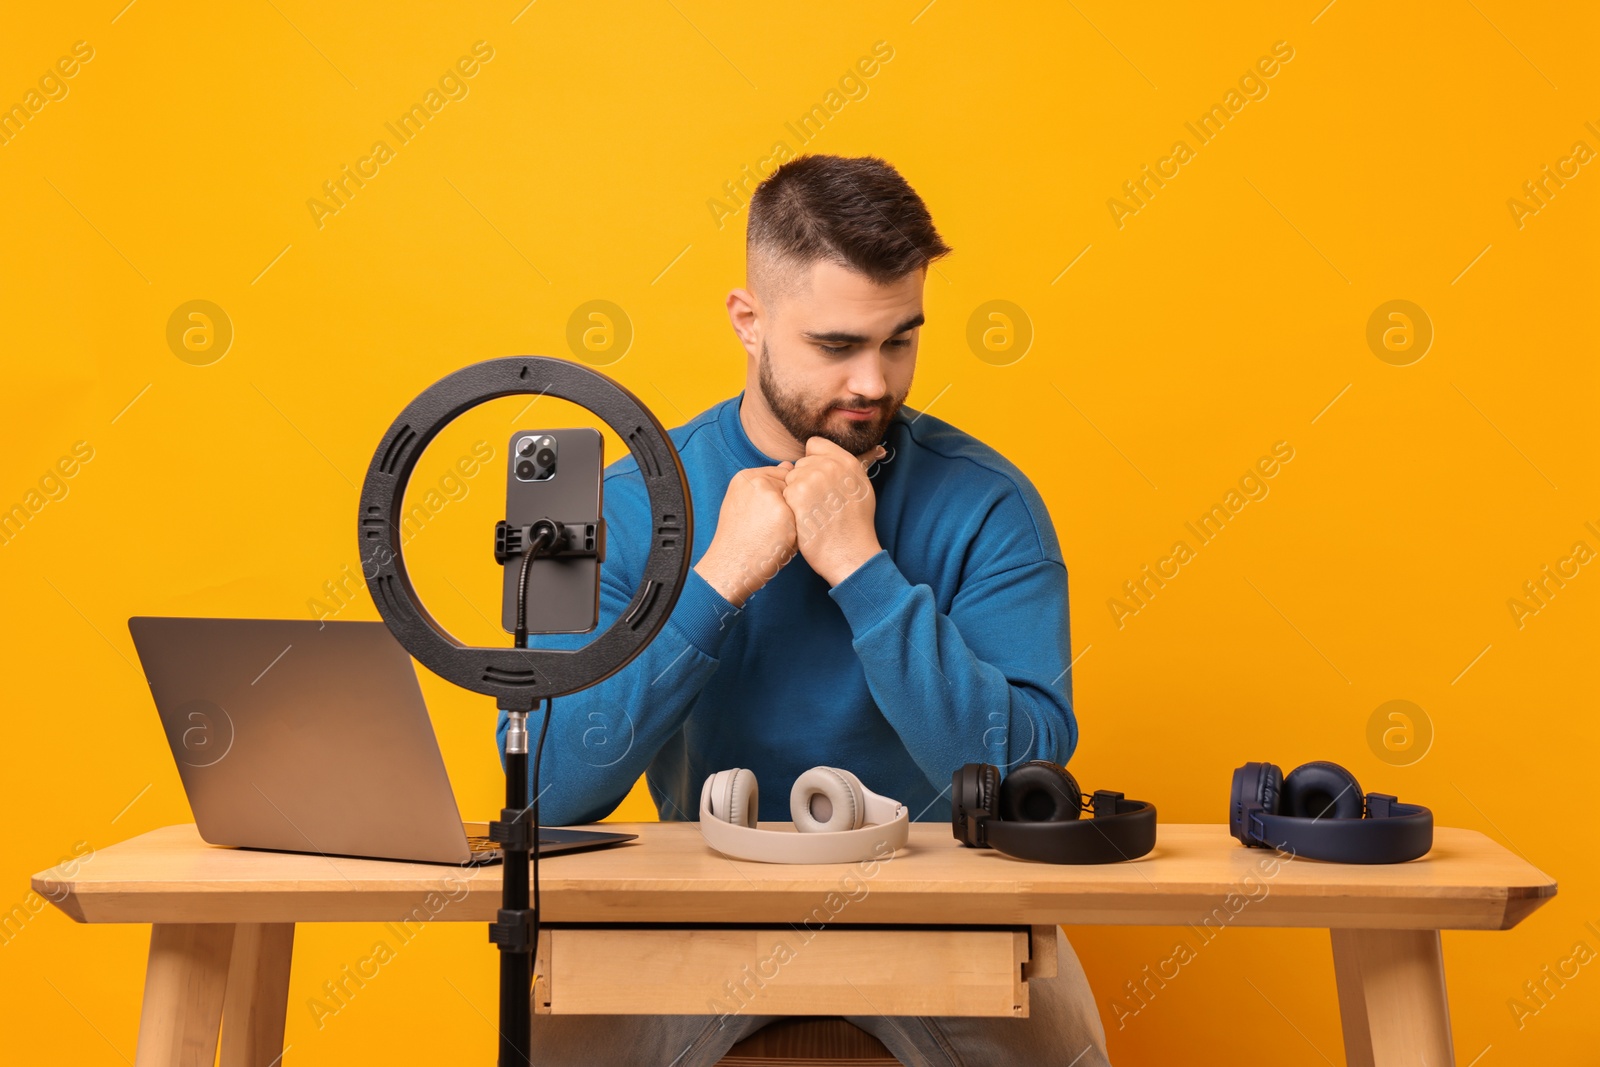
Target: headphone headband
[{"x": 1121, "y": 829}]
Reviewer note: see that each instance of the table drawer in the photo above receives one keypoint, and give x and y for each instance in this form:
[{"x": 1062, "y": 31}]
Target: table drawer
[{"x": 788, "y": 970}]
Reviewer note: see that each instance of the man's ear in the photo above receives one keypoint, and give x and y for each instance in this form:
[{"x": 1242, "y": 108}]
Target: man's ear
[{"x": 746, "y": 314}]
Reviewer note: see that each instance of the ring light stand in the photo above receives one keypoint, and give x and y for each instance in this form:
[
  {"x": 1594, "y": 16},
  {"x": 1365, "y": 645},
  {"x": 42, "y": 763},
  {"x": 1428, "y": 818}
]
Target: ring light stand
[{"x": 520, "y": 678}]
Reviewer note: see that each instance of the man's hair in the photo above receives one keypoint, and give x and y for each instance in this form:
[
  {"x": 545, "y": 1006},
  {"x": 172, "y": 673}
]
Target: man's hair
[{"x": 856, "y": 212}]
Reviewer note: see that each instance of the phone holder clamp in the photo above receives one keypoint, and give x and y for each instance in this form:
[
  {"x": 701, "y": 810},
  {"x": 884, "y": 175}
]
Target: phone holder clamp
[{"x": 572, "y": 539}]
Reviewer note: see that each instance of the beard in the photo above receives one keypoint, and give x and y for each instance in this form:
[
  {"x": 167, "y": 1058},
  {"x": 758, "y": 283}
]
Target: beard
[{"x": 804, "y": 418}]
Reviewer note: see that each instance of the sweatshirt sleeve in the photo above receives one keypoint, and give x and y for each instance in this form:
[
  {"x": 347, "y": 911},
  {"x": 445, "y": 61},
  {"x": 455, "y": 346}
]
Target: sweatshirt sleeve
[
  {"x": 986, "y": 683},
  {"x": 602, "y": 738}
]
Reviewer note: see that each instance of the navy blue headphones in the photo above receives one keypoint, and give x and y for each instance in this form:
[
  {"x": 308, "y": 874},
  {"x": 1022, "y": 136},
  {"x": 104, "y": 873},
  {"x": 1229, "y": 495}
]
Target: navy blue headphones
[{"x": 1317, "y": 812}]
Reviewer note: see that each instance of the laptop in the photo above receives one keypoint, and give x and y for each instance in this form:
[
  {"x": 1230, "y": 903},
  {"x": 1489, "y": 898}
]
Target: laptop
[{"x": 305, "y": 736}]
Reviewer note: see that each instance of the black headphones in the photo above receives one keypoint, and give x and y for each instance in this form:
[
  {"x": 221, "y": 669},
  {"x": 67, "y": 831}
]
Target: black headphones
[
  {"x": 1033, "y": 815},
  {"x": 1317, "y": 812}
]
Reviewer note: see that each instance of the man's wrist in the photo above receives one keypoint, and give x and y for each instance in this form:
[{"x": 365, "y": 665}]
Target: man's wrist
[
  {"x": 716, "y": 578},
  {"x": 835, "y": 571}
]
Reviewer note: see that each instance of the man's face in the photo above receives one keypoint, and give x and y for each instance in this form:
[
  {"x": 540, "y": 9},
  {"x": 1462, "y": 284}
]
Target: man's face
[{"x": 834, "y": 341}]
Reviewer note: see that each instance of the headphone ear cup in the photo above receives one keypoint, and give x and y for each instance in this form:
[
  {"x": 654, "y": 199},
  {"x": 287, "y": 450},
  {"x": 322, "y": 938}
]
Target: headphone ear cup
[
  {"x": 826, "y": 800},
  {"x": 1040, "y": 791},
  {"x": 973, "y": 793},
  {"x": 1269, "y": 788},
  {"x": 1322, "y": 790},
  {"x": 705, "y": 794},
  {"x": 1254, "y": 785},
  {"x": 735, "y": 796},
  {"x": 989, "y": 790}
]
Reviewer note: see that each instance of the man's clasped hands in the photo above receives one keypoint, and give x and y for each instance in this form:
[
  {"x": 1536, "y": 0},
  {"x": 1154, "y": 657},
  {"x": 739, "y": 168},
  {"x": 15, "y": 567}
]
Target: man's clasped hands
[{"x": 821, "y": 506}]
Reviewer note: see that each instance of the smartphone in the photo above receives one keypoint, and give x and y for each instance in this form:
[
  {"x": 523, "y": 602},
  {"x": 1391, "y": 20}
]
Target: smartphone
[{"x": 554, "y": 474}]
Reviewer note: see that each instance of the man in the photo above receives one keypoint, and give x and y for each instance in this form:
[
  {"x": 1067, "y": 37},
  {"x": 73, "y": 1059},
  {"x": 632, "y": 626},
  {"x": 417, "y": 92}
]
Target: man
[{"x": 878, "y": 591}]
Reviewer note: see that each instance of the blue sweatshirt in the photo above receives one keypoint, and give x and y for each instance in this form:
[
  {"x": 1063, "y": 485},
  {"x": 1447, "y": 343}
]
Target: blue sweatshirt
[{"x": 949, "y": 646}]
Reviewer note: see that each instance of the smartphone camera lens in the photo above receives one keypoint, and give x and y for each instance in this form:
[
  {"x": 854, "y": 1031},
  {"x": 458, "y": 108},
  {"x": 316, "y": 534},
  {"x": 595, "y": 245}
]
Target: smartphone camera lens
[{"x": 536, "y": 458}]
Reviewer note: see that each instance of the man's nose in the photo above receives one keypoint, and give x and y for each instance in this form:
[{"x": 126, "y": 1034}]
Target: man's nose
[{"x": 866, "y": 377}]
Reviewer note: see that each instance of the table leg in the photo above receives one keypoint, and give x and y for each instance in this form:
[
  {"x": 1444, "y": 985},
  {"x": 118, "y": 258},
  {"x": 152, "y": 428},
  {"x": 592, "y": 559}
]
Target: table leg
[
  {"x": 1392, "y": 998},
  {"x": 183, "y": 990},
  {"x": 257, "y": 1003}
]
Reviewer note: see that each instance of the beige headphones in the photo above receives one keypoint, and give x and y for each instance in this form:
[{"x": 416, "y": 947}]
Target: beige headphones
[{"x": 839, "y": 820}]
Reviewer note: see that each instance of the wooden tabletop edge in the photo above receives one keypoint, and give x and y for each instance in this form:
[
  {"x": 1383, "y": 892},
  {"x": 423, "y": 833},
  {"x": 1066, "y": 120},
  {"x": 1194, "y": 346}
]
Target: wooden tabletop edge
[{"x": 65, "y": 902}]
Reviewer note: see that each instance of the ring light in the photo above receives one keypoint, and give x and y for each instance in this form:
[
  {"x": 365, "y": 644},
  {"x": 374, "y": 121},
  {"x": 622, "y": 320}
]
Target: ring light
[{"x": 519, "y": 678}]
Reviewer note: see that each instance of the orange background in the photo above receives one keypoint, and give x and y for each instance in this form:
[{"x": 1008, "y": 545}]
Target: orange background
[{"x": 1164, "y": 357}]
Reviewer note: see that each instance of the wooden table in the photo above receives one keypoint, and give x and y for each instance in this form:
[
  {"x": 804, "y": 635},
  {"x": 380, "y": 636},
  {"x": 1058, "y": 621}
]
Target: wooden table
[{"x": 936, "y": 929}]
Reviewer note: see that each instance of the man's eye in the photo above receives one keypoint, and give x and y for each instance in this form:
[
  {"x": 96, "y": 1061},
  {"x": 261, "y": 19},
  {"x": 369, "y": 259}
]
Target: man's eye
[
  {"x": 901, "y": 342},
  {"x": 835, "y": 349}
]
